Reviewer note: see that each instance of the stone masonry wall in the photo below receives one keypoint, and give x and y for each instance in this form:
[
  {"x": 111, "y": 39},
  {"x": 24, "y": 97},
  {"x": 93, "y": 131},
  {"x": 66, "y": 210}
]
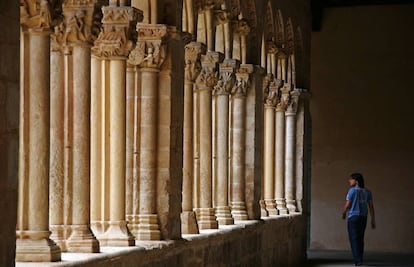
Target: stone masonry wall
[
  {"x": 269, "y": 242},
  {"x": 9, "y": 123}
]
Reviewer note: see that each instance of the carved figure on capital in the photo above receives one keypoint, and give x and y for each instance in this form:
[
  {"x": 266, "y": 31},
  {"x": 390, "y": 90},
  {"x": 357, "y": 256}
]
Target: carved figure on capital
[
  {"x": 242, "y": 80},
  {"x": 150, "y": 50},
  {"x": 193, "y": 53},
  {"x": 207, "y": 77},
  {"x": 292, "y": 108},
  {"x": 35, "y": 14},
  {"x": 271, "y": 91},
  {"x": 284, "y": 97},
  {"x": 224, "y": 84},
  {"x": 241, "y": 26}
]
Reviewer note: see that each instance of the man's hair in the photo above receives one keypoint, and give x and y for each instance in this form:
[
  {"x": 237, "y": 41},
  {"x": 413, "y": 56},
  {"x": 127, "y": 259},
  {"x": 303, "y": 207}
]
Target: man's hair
[{"x": 359, "y": 178}]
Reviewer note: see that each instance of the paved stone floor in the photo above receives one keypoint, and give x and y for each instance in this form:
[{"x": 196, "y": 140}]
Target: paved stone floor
[{"x": 326, "y": 258}]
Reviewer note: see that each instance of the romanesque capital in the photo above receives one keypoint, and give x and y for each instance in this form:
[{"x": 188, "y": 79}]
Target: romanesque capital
[
  {"x": 241, "y": 26},
  {"x": 271, "y": 47},
  {"x": 193, "y": 53},
  {"x": 35, "y": 15},
  {"x": 271, "y": 90},
  {"x": 117, "y": 37},
  {"x": 75, "y": 28},
  {"x": 284, "y": 95},
  {"x": 292, "y": 108},
  {"x": 226, "y": 77},
  {"x": 221, "y": 16},
  {"x": 150, "y": 50},
  {"x": 242, "y": 84},
  {"x": 208, "y": 74}
]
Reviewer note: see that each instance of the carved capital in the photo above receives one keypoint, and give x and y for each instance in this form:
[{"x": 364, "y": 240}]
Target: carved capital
[
  {"x": 284, "y": 97},
  {"x": 35, "y": 15},
  {"x": 193, "y": 53},
  {"x": 116, "y": 38},
  {"x": 226, "y": 76},
  {"x": 76, "y": 27},
  {"x": 271, "y": 47},
  {"x": 271, "y": 92},
  {"x": 221, "y": 16},
  {"x": 292, "y": 108},
  {"x": 208, "y": 74},
  {"x": 242, "y": 84},
  {"x": 150, "y": 51},
  {"x": 241, "y": 27}
]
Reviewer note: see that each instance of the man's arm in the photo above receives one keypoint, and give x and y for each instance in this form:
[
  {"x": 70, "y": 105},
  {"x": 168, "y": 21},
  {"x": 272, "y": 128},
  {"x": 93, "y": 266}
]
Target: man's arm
[
  {"x": 346, "y": 208},
  {"x": 372, "y": 213}
]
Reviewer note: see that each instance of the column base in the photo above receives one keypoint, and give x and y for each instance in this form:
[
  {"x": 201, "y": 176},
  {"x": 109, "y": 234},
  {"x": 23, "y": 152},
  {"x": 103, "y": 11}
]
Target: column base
[
  {"x": 36, "y": 246},
  {"x": 291, "y": 206},
  {"x": 281, "y": 206},
  {"x": 148, "y": 228},
  {"x": 238, "y": 211},
  {"x": 99, "y": 227},
  {"x": 189, "y": 223},
  {"x": 207, "y": 219},
  {"x": 223, "y": 215},
  {"x": 263, "y": 211},
  {"x": 133, "y": 224},
  {"x": 117, "y": 235},
  {"x": 58, "y": 236},
  {"x": 82, "y": 240},
  {"x": 271, "y": 207}
]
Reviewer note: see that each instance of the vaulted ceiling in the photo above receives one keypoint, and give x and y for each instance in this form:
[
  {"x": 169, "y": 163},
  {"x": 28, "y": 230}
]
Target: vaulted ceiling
[{"x": 319, "y": 5}]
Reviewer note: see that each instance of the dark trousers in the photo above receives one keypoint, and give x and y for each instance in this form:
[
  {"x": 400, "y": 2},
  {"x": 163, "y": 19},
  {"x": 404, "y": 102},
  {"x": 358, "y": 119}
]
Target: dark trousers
[{"x": 356, "y": 231}]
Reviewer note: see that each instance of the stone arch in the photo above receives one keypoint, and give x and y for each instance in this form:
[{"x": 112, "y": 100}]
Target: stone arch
[
  {"x": 268, "y": 38},
  {"x": 189, "y": 17},
  {"x": 280, "y": 29},
  {"x": 299, "y": 55},
  {"x": 290, "y": 52}
]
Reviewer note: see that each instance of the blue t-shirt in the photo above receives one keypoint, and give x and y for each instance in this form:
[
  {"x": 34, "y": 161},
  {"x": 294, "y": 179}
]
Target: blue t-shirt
[{"x": 359, "y": 197}]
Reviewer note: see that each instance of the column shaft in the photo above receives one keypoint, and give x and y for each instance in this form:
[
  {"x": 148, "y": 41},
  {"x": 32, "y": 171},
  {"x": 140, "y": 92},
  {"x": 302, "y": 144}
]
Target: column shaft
[
  {"x": 223, "y": 213},
  {"x": 148, "y": 220},
  {"x": 82, "y": 238},
  {"x": 269, "y": 153},
  {"x": 280, "y": 162},
  {"x": 238, "y": 204},
  {"x": 56, "y": 196},
  {"x": 290, "y": 162}
]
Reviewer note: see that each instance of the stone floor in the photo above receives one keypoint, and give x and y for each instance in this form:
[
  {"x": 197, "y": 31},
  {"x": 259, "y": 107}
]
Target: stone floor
[{"x": 326, "y": 258}]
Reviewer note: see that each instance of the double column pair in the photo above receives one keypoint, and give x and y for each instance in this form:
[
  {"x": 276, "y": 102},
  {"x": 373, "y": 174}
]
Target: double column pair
[{"x": 281, "y": 102}]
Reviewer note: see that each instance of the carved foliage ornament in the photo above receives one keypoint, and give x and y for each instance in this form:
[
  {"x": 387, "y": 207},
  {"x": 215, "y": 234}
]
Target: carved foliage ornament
[
  {"x": 284, "y": 97},
  {"x": 271, "y": 92}
]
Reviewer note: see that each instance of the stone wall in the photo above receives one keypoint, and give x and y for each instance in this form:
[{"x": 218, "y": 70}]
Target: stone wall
[
  {"x": 9, "y": 123},
  {"x": 362, "y": 118},
  {"x": 272, "y": 242}
]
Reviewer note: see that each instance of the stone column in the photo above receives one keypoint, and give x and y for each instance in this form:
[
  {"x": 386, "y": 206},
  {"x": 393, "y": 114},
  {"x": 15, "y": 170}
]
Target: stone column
[
  {"x": 238, "y": 155},
  {"x": 269, "y": 146},
  {"x": 221, "y": 92},
  {"x": 57, "y": 146},
  {"x": 132, "y": 106},
  {"x": 290, "y": 152},
  {"x": 205, "y": 82},
  {"x": 280, "y": 150},
  {"x": 32, "y": 230},
  {"x": 112, "y": 47},
  {"x": 148, "y": 55},
  {"x": 301, "y": 146},
  {"x": 192, "y": 70}
]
